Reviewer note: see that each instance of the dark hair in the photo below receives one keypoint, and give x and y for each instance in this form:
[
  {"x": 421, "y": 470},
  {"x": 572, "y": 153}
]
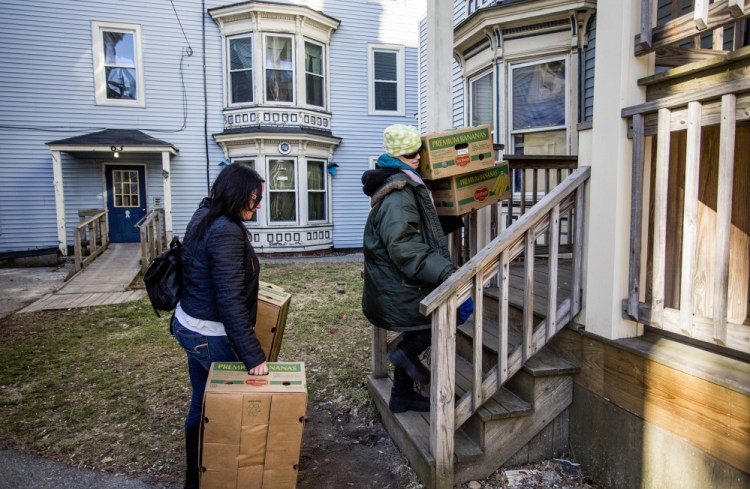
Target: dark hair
[{"x": 230, "y": 195}]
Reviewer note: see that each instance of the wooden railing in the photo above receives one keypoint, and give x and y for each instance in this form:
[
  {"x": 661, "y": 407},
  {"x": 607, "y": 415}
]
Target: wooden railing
[
  {"x": 705, "y": 17},
  {"x": 153, "y": 236},
  {"x": 492, "y": 263},
  {"x": 90, "y": 237},
  {"x": 531, "y": 177}
]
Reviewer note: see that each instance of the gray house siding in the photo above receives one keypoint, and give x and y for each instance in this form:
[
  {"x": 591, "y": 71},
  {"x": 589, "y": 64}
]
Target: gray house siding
[{"x": 47, "y": 93}]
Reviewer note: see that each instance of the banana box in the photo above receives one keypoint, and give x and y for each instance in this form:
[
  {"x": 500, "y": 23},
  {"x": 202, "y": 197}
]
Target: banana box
[
  {"x": 251, "y": 434},
  {"x": 456, "y": 152},
  {"x": 461, "y": 194}
]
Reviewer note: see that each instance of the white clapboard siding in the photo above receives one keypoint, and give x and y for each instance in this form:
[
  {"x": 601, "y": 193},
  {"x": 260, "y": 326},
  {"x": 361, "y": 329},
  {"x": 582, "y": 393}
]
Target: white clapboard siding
[{"x": 47, "y": 94}]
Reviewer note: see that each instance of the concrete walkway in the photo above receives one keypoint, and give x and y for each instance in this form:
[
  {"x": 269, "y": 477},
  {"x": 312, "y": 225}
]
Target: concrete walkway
[{"x": 105, "y": 281}]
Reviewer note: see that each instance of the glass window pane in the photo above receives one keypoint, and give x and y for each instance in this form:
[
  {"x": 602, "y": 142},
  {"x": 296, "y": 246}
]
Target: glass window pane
[
  {"x": 385, "y": 66},
  {"x": 279, "y": 86},
  {"x": 282, "y": 207},
  {"x": 539, "y": 95},
  {"x": 241, "y": 53},
  {"x": 313, "y": 58},
  {"x": 386, "y": 96},
  {"x": 540, "y": 143},
  {"x": 279, "y": 52},
  {"x": 121, "y": 83},
  {"x": 281, "y": 174},
  {"x": 314, "y": 90},
  {"x": 242, "y": 86},
  {"x": 481, "y": 100},
  {"x": 316, "y": 208},
  {"x": 119, "y": 48},
  {"x": 315, "y": 175}
]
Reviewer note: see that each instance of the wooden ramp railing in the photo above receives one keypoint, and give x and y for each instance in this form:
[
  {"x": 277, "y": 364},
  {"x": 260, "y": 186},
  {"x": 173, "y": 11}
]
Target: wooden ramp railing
[
  {"x": 153, "y": 236},
  {"x": 90, "y": 237},
  {"x": 492, "y": 264}
]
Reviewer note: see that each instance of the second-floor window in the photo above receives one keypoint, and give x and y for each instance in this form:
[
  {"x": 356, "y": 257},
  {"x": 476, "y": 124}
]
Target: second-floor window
[
  {"x": 118, "y": 67},
  {"x": 241, "y": 70},
  {"x": 279, "y": 65},
  {"x": 314, "y": 74},
  {"x": 386, "y": 74}
]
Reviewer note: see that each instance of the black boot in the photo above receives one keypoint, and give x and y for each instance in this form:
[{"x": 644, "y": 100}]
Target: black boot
[
  {"x": 403, "y": 395},
  {"x": 192, "y": 448},
  {"x": 406, "y": 355}
]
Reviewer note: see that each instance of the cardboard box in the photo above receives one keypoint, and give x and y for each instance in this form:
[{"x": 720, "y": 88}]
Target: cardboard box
[
  {"x": 252, "y": 426},
  {"x": 273, "y": 307},
  {"x": 459, "y": 195},
  {"x": 447, "y": 154}
]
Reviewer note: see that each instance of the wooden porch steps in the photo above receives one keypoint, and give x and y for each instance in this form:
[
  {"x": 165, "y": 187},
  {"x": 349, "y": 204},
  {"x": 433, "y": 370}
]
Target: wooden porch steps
[{"x": 502, "y": 428}]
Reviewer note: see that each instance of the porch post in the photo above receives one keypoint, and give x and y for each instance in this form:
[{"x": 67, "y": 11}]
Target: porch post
[
  {"x": 439, "y": 110},
  {"x": 57, "y": 180},
  {"x": 167, "y": 183}
]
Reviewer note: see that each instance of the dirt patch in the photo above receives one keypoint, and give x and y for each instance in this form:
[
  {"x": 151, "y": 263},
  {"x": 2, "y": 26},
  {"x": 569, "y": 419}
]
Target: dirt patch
[{"x": 340, "y": 450}]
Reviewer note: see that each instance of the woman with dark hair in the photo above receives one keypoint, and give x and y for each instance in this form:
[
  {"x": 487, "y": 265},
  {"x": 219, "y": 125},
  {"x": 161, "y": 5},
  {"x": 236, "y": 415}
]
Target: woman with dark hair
[{"x": 215, "y": 318}]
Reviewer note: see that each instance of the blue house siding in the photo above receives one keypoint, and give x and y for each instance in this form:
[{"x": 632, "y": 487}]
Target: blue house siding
[{"x": 47, "y": 92}]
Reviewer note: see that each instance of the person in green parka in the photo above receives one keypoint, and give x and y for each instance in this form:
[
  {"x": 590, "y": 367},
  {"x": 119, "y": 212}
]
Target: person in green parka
[{"x": 405, "y": 257}]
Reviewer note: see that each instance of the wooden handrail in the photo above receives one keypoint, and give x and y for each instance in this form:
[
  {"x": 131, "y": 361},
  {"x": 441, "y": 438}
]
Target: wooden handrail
[
  {"x": 153, "y": 236},
  {"x": 90, "y": 237},
  {"x": 469, "y": 281}
]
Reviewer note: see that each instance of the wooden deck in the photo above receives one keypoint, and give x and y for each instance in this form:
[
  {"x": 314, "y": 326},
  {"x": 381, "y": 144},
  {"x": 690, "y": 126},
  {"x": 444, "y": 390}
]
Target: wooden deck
[{"x": 106, "y": 281}]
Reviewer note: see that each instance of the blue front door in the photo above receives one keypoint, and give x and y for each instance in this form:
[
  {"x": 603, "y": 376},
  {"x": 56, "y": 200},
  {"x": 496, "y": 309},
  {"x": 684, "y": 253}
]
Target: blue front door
[{"x": 126, "y": 202}]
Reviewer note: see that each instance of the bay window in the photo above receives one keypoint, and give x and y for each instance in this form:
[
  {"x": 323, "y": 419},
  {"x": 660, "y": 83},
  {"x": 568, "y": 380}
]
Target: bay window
[
  {"x": 279, "y": 63},
  {"x": 314, "y": 74},
  {"x": 241, "y": 69},
  {"x": 316, "y": 190},
  {"x": 539, "y": 105},
  {"x": 480, "y": 100},
  {"x": 282, "y": 190}
]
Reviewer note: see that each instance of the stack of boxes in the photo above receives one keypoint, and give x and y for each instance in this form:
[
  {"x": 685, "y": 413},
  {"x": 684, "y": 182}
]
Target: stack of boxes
[
  {"x": 252, "y": 425},
  {"x": 461, "y": 171}
]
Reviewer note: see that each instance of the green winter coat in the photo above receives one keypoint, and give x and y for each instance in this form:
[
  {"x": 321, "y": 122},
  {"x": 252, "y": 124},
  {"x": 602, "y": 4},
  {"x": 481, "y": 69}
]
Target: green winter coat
[{"x": 405, "y": 251}]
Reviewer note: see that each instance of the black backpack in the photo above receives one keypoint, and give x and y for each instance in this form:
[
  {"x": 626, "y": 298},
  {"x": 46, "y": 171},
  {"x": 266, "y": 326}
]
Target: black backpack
[{"x": 163, "y": 278}]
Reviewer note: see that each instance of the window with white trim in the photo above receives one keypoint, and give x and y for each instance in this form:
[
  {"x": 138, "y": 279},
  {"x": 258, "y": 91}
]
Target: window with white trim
[
  {"x": 241, "y": 85},
  {"x": 386, "y": 79},
  {"x": 315, "y": 74},
  {"x": 538, "y": 99},
  {"x": 249, "y": 163},
  {"x": 317, "y": 195},
  {"x": 279, "y": 68},
  {"x": 480, "y": 100},
  {"x": 118, "y": 64},
  {"x": 282, "y": 191}
]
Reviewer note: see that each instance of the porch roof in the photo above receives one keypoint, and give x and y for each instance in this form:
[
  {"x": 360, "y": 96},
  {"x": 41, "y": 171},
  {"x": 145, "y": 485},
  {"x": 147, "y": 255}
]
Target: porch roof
[{"x": 120, "y": 140}]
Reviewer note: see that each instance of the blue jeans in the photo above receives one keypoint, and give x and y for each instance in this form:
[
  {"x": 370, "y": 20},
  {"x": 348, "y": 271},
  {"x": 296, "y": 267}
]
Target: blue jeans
[{"x": 201, "y": 351}]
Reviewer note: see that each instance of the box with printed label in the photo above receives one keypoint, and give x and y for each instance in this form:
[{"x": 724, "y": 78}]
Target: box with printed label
[
  {"x": 451, "y": 153},
  {"x": 273, "y": 307},
  {"x": 252, "y": 426},
  {"x": 459, "y": 195}
]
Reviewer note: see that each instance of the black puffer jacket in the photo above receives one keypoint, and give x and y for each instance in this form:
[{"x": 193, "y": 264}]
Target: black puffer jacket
[
  {"x": 220, "y": 274},
  {"x": 406, "y": 253}
]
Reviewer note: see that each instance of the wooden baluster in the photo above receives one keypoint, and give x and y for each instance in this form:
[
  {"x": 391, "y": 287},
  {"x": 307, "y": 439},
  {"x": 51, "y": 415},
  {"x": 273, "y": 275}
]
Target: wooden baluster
[
  {"x": 661, "y": 189},
  {"x": 554, "y": 232},
  {"x": 724, "y": 216},
  {"x": 577, "y": 288},
  {"x": 502, "y": 321},
  {"x": 636, "y": 216},
  {"x": 478, "y": 293},
  {"x": 700, "y": 14},
  {"x": 379, "y": 352},
  {"x": 528, "y": 302},
  {"x": 523, "y": 192},
  {"x": 690, "y": 215},
  {"x": 442, "y": 395},
  {"x": 646, "y": 24}
]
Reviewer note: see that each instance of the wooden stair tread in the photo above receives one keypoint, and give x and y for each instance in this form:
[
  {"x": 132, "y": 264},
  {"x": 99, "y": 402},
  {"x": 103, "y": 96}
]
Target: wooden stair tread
[
  {"x": 503, "y": 404},
  {"x": 416, "y": 427}
]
